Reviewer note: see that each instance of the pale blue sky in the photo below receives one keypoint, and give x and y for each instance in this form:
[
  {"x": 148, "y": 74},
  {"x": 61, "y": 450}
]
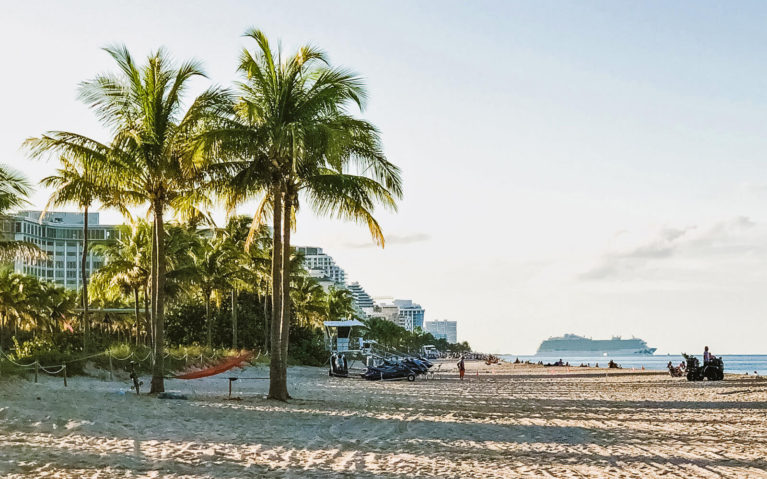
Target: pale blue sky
[{"x": 587, "y": 167}]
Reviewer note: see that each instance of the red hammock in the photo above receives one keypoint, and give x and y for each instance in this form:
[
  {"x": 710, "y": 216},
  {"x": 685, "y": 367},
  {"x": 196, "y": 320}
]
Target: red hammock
[{"x": 220, "y": 368}]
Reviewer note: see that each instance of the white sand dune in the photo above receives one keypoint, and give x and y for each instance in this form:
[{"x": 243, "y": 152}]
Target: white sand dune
[{"x": 494, "y": 426}]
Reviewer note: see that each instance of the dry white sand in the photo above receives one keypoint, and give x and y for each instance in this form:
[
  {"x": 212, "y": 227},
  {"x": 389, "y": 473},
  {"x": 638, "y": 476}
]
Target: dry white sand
[{"x": 494, "y": 426}]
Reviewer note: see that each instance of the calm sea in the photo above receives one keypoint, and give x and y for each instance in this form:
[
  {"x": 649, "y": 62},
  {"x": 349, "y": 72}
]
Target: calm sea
[{"x": 733, "y": 363}]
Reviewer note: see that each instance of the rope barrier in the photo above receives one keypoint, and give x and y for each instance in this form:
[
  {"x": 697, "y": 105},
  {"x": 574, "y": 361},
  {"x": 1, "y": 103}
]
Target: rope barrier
[
  {"x": 120, "y": 359},
  {"x": 30, "y": 365},
  {"x": 63, "y": 367}
]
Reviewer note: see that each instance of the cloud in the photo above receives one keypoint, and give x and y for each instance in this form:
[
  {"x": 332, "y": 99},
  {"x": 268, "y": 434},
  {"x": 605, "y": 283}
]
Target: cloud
[
  {"x": 394, "y": 239},
  {"x": 666, "y": 243}
]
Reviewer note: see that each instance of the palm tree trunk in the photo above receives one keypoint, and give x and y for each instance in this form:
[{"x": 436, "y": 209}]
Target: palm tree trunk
[
  {"x": 84, "y": 273},
  {"x": 136, "y": 311},
  {"x": 152, "y": 285},
  {"x": 266, "y": 300},
  {"x": 148, "y": 319},
  {"x": 158, "y": 365},
  {"x": 277, "y": 386},
  {"x": 287, "y": 210},
  {"x": 234, "y": 318},
  {"x": 207, "y": 318}
]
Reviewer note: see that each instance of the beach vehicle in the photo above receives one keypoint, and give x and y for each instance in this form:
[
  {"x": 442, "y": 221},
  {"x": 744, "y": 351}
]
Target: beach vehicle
[
  {"x": 712, "y": 370},
  {"x": 430, "y": 352}
]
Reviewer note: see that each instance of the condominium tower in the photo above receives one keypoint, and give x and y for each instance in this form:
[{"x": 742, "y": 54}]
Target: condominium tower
[
  {"x": 315, "y": 259},
  {"x": 60, "y": 236},
  {"x": 443, "y": 330}
]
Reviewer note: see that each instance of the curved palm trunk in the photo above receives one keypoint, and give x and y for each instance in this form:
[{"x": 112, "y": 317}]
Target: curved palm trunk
[
  {"x": 84, "y": 273},
  {"x": 287, "y": 210},
  {"x": 158, "y": 365},
  {"x": 277, "y": 386}
]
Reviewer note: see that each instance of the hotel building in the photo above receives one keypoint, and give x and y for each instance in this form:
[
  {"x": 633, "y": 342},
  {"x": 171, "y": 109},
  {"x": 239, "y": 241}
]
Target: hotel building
[{"x": 60, "y": 236}]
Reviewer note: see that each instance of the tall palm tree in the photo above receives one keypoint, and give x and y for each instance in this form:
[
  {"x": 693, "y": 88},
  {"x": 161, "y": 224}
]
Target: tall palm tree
[
  {"x": 13, "y": 192},
  {"x": 292, "y": 133},
  {"x": 152, "y": 159},
  {"x": 78, "y": 181}
]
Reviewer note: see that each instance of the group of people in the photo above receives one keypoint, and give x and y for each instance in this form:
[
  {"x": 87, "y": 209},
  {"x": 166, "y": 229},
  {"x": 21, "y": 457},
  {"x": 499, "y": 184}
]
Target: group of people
[{"x": 681, "y": 370}]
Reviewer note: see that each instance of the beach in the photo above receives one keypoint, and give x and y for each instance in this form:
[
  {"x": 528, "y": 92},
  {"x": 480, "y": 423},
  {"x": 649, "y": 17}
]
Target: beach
[{"x": 501, "y": 421}]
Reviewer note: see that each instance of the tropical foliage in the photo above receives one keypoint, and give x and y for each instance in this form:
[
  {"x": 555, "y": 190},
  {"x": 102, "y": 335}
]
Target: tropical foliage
[
  {"x": 207, "y": 266},
  {"x": 13, "y": 192}
]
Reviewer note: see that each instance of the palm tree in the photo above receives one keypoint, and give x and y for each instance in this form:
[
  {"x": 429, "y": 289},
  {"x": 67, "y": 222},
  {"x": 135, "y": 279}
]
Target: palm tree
[
  {"x": 340, "y": 303},
  {"x": 292, "y": 134},
  {"x": 309, "y": 300},
  {"x": 126, "y": 266},
  {"x": 13, "y": 191},
  {"x": 13, "y": 301},
  {"x": 214, "y": 270},
  {"x": 78, "y": 181},
  {"x": 152, "y": 159}
]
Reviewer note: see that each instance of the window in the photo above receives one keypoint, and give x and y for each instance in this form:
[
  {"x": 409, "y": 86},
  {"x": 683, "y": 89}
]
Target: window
[{"x": 71, "y": 265}]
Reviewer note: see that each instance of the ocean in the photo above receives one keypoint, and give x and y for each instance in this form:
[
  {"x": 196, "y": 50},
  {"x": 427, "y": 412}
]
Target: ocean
[{"x": 733, "y": 363}]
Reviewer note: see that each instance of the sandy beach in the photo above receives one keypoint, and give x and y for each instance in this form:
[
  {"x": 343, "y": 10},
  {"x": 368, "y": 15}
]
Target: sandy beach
[{"x": 509, "y": 421}]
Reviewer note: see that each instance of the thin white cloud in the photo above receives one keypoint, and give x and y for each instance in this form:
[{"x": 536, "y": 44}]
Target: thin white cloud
[
  {"x": 393, "y": 239},
  {"x": 703, "y": 243}
]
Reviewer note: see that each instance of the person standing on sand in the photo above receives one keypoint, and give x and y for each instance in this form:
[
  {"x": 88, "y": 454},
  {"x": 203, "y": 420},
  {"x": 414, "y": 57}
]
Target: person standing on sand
[{"x": 461, "y": 368}]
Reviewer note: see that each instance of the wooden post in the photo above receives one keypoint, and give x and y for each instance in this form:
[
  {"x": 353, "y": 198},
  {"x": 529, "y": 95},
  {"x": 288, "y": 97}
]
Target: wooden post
[
  {"x": 65, "y": 375},
  {"x": 111, "y": 372},
  {"x": 37, "y": 365}
]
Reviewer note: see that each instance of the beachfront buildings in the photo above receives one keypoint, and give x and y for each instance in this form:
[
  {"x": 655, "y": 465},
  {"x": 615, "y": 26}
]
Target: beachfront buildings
[
  {"x": 321, "y": 265},
  {"x": 402, "y": 312},
  {"x": 443, "y": 329},
  {"x": 411, "y": 315},
  {"x": 60, "y": 236},
  {"x": 362, "y": 300}
]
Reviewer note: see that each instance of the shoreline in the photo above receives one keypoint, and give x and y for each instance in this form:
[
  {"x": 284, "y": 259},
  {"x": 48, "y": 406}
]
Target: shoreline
[{"x": 491, "y": 426}]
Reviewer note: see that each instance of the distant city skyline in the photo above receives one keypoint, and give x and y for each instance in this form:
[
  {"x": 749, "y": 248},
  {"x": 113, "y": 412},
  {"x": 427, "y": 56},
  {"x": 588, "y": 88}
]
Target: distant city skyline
[{"x": 594, "y": 168}]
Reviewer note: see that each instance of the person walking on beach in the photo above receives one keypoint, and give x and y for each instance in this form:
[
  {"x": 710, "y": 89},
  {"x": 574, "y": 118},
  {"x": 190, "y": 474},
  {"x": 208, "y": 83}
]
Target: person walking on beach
[
  {"x": 461, "y": 368},
  {"x": 707, "y": 356}
]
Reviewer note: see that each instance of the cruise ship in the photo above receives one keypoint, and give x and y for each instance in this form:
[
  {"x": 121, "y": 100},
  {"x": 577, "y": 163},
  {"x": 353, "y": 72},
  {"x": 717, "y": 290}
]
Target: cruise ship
[{"x": 574, "y": 345}]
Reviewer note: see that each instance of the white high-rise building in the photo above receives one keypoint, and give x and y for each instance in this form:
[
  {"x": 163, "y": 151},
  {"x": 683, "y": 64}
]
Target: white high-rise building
[
  {"x": 60, "y": 236},
  {"x": 362, "y": 300},
  {"x": 411, "y": 315},
  {"x": 315, "y": 260},
  {"x": 443, "y": 330}
]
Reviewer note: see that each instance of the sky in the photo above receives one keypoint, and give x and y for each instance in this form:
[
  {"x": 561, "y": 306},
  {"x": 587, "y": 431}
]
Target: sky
[{"x": 596, "y": 168}]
